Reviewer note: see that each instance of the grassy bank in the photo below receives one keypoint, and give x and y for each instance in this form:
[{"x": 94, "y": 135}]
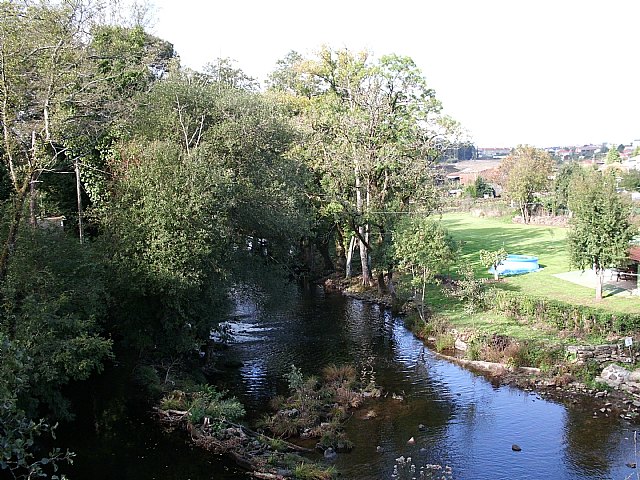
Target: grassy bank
[
  {"x": 540, "y": 330},
  {"x": 547, "y": 243}
]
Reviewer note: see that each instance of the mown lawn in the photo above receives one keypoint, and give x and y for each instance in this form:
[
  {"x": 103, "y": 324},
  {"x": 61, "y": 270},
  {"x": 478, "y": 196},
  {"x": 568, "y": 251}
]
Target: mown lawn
[{"x": 547, "y": 243}]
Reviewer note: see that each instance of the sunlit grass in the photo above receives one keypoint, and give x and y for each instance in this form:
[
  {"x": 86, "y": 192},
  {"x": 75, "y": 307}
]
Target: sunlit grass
[{"x": 547, "y": 243}]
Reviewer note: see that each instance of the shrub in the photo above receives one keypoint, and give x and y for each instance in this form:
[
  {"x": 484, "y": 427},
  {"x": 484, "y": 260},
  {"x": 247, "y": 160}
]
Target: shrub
[
  {"x": 445, "y": 341},
  {"x": 344, "y": 374},
  {"x": 562, "y": 315},
  {"x": 310, "y": 471}
]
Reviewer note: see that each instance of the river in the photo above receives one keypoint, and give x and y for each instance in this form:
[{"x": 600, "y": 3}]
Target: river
[{"x": 468, "y": 424}]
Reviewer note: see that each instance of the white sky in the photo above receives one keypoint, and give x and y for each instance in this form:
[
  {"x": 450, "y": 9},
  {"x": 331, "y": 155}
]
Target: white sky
[{"x": 541, "y": 72}]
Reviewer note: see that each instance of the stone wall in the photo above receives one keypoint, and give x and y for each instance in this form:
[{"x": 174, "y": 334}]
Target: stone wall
[
  {"x": 548, "y": 220},
  {"x": 602, "y": 354}
]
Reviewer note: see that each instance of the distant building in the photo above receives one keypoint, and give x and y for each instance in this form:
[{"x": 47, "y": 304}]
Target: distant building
[{"x": 493, "y": 152}]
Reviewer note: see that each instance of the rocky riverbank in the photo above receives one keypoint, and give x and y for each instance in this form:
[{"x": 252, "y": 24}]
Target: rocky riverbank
[{"x": 614, "y": 391}]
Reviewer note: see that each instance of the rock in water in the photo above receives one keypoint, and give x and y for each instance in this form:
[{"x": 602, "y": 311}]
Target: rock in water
[
  {"x": 516, "y": 448},
  {"x": 379, "y": 449},
  {"x": 422, "y": 428},
  {"x": 411, "y": 441},
  {"x": 330, "y": 454},
  {"x": 631, "y": 464}
]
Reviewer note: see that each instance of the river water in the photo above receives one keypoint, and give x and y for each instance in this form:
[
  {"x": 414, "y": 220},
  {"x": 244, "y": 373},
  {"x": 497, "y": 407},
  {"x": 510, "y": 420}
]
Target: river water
[{"x": 469, "y": 424}]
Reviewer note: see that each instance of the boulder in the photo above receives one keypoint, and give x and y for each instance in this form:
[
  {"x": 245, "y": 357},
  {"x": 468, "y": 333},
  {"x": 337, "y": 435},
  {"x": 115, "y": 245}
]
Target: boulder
[
  {"x": 614, "y": 375},
  {"x": 460, "y": 345},
  {"x": 634, "y": 376},
  {"x": 330, "y": 454}
]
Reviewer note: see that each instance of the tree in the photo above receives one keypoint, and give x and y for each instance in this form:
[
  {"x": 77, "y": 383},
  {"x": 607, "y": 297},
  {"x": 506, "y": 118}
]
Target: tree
[
  {"x": 63, "y": 78},
  {"x": 198, "y": 179},
  {"x": 372, "y": 134},
  {"x": 479, "y": 188},
  {"x": 224, "y": 72},
  {"x": 424, "y": 248},
  {"x": 561, "y": 186},
  {"x": 631, "y": 180},
  {"x": 600, "y": 227},
  {"x": 526, "y": 171},
  {"x": 613, "y": 156},
  {"x": 492, "y": 260}
]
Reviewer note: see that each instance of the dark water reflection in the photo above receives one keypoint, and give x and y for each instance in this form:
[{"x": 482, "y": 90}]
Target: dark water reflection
[{"x": 469, "y": 424}]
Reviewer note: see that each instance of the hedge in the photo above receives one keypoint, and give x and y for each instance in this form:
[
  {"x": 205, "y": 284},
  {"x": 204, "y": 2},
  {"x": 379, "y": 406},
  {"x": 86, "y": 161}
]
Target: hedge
[{"x": 564, "y": 316}]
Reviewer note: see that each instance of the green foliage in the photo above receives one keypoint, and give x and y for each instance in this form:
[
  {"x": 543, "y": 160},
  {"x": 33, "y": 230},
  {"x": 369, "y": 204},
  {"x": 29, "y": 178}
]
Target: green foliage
[
  {"x": 52, "y": 312},
  {"x": 631, "y": 180},
  {"x": 424, "y": 248},
  {"x": 561, "y": 315},
  {"x": 479, "y": 188},
  {"x": 493, "y": 259},
  {"x": 295, "y": 380},
  {"x": 562, "y": 183},
  {"x": 311, "y": 471},
  {"x": 18, "y": 432},
  {"x": 200, "y": 175},
  {"x": 526, "y": 171},
  {"x": 205, "y": 401},
  {"x": 469, "y": 289},
  {"x": 444, "y": 342},
  {"x": 587, "y": 372},
  {"x": 367, "y": 123},
  {"x": 613, "y": 156},
  {"x": 600, "y": 227}
]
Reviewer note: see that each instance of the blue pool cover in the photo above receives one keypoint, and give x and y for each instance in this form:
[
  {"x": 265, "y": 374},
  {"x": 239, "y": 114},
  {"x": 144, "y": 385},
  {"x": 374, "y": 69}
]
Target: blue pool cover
[{"x": 517, "y": 264}]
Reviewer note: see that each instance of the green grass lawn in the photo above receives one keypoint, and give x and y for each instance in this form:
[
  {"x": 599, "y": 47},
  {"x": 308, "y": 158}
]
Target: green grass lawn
[{"x": 547, "y": 243}]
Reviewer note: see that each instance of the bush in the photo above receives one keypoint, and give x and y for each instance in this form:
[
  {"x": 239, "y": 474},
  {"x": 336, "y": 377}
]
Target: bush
[
  {"x": 343, "y": 374},
  {"x": 561, "y": 315},
  {"x": 445, "y": 341},
  {"x": 205, "y": 402}
]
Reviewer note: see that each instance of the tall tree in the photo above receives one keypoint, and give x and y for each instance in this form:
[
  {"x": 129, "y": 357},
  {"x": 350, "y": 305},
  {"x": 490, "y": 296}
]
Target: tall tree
[
  {"x": 613, "y": 156},
  {"x": 600, "y": 226},
  {"x": 373, "y": 131},
  {"x": 526, "y": 171},
  {"x": 199, "y": 177},
  {"x": 561, "y": 184}
]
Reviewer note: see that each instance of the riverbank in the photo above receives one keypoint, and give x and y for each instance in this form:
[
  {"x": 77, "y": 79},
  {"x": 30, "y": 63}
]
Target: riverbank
[{"x": 571, "y": 379}]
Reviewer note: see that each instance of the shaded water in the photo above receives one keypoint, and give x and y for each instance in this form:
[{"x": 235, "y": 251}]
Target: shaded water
[{"x": 470, "y": 424}]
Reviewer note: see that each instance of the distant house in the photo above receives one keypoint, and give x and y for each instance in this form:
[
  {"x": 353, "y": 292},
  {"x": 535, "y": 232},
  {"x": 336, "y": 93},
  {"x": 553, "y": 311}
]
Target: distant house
[
  {"x": 493, "y": 152},
  {"x": 468, "y": 172}
]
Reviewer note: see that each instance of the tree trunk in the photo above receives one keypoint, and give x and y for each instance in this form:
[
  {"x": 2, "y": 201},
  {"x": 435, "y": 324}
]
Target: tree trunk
[
  {"x": 352, "y": 246},
  {"x": 79, "y": 199},
  {"x": 524, "y": 211},
  {"x": 341, "y": 260},
  {"x": 33, "y": 192},
  {"x": 599, "y": 282},
  {"x": 382, "y": 287},
  {"x": 364, "y": 260},
  {"x": 323, "y": 248},
  {"x": 12, "y": 235},
  {"x": 395, "y": 304},
  {"x": 364, "y": 253}
]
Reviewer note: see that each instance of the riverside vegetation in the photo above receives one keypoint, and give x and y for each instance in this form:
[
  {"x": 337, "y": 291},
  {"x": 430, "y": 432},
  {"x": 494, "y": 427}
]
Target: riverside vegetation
[{"x": 136, "y": 196}]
